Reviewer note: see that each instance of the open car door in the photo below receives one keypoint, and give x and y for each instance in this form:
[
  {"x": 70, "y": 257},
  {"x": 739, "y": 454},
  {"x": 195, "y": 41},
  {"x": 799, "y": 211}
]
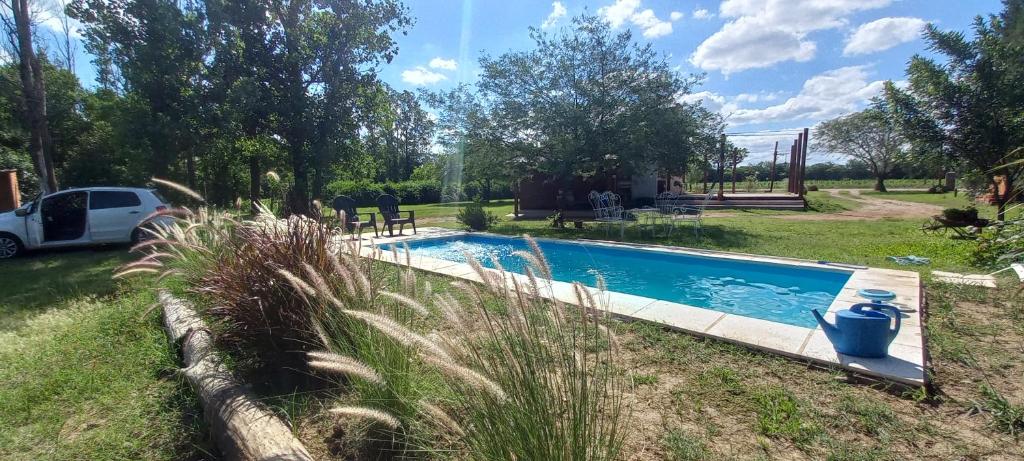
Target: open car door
[{"x": 62, "y": 218}]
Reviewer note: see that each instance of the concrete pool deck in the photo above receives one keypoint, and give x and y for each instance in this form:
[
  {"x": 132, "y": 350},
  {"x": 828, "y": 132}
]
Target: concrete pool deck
[{"x": 905, "y": 363}]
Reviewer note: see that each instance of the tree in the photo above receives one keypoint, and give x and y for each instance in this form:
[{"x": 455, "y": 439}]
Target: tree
[
  {"x": 229, "y": 84},
  {"x": 314, "y": 59},
  {"x": 970, "y": 106},
  {"x": 870, "y": 136},
  {"x": 581, "y": 102},
  {"x": 159, "y": 49},
  {"x": 411, "y": 135},
  {"x": 734, "y": 156},
  {"x": 33, "y": 91}
]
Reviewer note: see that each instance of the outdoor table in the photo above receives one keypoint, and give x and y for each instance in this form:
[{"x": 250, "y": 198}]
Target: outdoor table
[{"x": 652, "y": 217}]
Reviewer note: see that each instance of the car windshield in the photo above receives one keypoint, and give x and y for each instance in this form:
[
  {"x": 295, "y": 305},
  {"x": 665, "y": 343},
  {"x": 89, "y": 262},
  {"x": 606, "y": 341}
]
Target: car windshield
[{"x": 158, "y": 196}]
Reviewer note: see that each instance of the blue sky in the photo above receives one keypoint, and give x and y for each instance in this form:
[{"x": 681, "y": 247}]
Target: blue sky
[{"x": 769, "y": 64}]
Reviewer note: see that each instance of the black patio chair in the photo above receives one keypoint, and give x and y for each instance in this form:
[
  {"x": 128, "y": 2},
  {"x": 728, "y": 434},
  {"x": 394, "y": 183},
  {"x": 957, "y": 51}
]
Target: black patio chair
[
  {"x": 388, "y": 206},
  {"x": 353, "y": 219}
]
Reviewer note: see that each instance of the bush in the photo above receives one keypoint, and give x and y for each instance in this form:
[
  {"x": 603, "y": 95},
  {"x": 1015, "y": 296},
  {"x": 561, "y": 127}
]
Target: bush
[
  {"x": 365, "y": 193},
  {"x": 812, "y": 188},
  {"x": 475, "y": 217},
  {"x": 936, "y": 189}
]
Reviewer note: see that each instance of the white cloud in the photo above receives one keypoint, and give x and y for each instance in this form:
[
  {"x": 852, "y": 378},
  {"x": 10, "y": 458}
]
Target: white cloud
[
  {"x": 747, "y": 44},
  {"x": 675, "y": 16},
  {"x": 799, "y": 15},
  {"x": 766, "y": 32},
  {"x": 702, "y": 13},
  {"x": 883, "y": 34},
  {"x": 619, "y": 12},
  {"x": 557, "y": 12},
  {"x": 711, "y": 100},
  {"x": 726, "y": 105},
  {"x": 627, "y": 10},
  {"x": 823, "y": 96},
  {"x": 441, "y": 63},
  {"x": 758, "y": 97},
  {"x": 421, "y": 76}
]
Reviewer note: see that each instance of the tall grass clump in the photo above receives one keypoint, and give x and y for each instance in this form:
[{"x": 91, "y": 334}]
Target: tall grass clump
[
  {"x": 260, "y": 309},
  {"x": 178, "y": 242},
  {"x": 492, "y": 371},
  {"x": 368, "y": 326},
  {"x": 555, "y": 363}
]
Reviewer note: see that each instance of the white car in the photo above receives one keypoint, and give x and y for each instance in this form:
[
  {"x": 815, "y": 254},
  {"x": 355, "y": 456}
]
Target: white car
[{"x": 87, "y": 216}]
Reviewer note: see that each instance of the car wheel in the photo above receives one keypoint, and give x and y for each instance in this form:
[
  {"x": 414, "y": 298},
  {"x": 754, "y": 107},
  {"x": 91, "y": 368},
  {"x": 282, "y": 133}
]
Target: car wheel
[{"x": 10, "y": 246}]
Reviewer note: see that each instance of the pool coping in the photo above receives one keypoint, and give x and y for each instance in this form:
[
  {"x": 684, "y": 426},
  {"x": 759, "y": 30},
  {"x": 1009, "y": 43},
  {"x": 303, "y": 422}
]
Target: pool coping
[{"x": 905, "y": 363}]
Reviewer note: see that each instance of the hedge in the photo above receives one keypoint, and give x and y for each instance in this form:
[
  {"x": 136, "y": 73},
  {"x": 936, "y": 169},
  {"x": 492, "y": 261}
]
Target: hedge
[{"x": 365, "y": 193}]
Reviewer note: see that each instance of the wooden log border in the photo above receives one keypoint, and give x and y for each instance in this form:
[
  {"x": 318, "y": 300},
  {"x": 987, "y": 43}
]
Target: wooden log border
[{"x": 243, "y": 429}]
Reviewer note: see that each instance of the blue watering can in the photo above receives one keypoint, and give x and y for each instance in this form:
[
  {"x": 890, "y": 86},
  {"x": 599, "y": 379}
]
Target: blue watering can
[{"x": 862, "y": 330}]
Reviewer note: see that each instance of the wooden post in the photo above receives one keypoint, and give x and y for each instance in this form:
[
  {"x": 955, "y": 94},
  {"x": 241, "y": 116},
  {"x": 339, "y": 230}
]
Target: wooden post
[
  {"x": 735, "y": 156},
  {"x": 775, "y": 158},
  {"x": 792, "y": 163},
  {"x": 798, "y": 182},
  {"x": 803, "y": 159},
  {"x": 515, "y": 201},
  {"x": 721, "y": 169}
]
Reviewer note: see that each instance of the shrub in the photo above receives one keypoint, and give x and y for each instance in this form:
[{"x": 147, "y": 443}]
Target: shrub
[
  {"x": 999, "y": 245},
  {"x": 365, "y": 193},
  {"x": 413, "y": 192},
  {"x": 474, "y": 216},
  {"x": 812, "y": 188}
]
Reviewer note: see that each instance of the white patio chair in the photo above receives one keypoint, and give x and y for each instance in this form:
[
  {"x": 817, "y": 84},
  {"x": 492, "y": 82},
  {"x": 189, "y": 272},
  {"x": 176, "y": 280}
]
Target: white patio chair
[
  {"x": 667, "y": 202},
  {"x": 695, "y": 214},
  {"x": 608, "y": 210}
]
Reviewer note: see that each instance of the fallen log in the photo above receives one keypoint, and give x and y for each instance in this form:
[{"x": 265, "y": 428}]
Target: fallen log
[{"x": 243, "y": 429}]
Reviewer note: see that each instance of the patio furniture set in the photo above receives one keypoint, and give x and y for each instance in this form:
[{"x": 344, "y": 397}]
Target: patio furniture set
[
  {"x": 388, "y": 207},
  {"x": 669, "y": 210}
]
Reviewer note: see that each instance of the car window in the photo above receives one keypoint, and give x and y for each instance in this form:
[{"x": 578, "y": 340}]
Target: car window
[{"x": 103, "y": 199}]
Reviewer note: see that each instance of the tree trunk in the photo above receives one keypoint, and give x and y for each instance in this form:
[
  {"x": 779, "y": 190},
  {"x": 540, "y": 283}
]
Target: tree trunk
[
  {"x": 40, "y": 144},
  {"x": 190, "y": 169},
  {"x": 254, "y": 183},
  {"x": 880, "y": 184},
  {"x": 1001, "y": 199},
  {"x": 299, "y": 197}
]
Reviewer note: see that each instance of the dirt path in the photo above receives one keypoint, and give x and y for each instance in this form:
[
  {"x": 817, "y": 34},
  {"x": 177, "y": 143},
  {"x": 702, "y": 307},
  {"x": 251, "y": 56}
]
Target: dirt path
[{"x": 873, "y": 208}]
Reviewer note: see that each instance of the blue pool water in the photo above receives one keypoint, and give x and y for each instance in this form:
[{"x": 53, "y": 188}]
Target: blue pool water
[{"x": 777, "y": 292}]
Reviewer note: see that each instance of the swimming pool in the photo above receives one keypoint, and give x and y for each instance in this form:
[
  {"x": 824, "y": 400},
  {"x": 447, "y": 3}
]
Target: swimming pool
[{"x": 777, "y": 292}]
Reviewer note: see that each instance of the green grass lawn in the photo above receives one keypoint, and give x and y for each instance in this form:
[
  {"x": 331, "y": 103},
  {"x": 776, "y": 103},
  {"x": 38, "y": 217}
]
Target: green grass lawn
[
  {"x": 82, "y": 377},
  {"x": 855, "y": 242},
  {"x": 946, "y": 200}
]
